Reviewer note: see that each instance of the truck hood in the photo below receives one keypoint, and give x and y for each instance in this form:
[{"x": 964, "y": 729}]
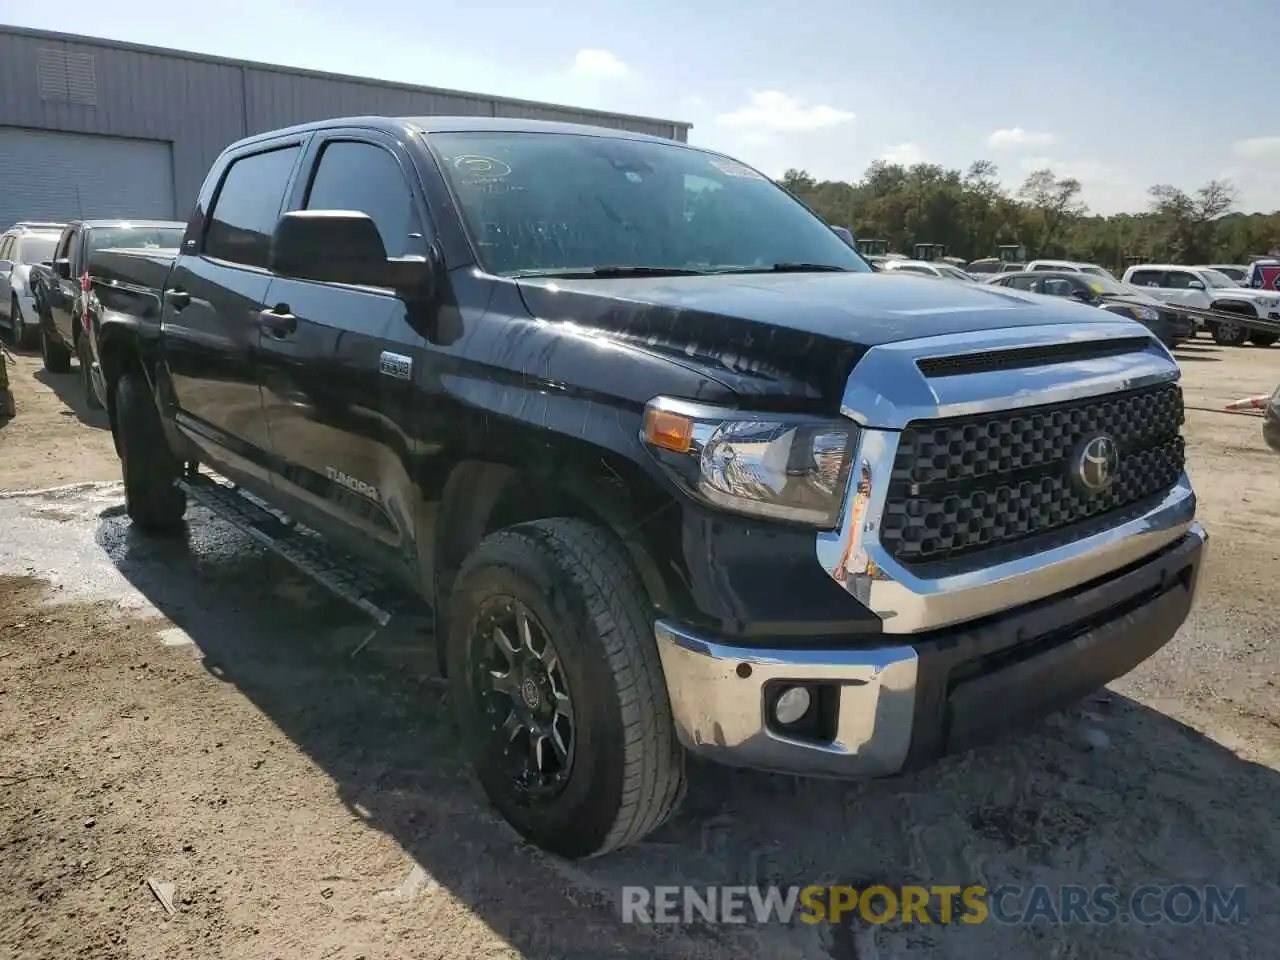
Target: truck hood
[
  {"x": 859, "y": 309},
  {"x": 786, "y": 335},
  {"x": 1248, "y": 293}
]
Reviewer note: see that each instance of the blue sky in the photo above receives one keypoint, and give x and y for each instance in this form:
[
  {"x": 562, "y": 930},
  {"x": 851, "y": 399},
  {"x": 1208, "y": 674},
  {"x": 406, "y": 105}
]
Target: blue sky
[{"x": 1120, "y": 95}]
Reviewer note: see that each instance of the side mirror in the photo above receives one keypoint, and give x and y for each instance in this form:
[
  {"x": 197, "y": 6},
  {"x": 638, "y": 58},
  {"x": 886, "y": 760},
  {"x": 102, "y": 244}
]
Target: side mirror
[
  {"x": 1195, "y": 285},
  {"x": 343, "y": 246},
  {"x": 62, "y": 267}
]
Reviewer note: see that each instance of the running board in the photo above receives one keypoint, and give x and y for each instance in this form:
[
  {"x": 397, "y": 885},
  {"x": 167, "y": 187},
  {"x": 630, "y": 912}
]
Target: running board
[{"x": 348, "y": 578}]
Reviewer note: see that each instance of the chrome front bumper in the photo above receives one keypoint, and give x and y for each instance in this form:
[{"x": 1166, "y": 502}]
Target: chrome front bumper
[
  {"x": 893, "y": 701},
  {"x": 718, "y": 699}
]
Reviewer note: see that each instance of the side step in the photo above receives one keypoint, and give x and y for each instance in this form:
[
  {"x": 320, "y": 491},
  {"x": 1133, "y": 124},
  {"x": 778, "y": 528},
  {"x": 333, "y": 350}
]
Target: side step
[{"x": 348, "y": 578}]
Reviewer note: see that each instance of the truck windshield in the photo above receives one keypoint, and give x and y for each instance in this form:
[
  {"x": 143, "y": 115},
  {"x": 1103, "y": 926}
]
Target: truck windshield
[
  {"x": 136, "y": 238},
  {"x": 36, "y": 247},
  {"x": 1095, "y": 271},
  {"x": 546, "y": 203},
  {"x": 1216, "y": 279}
]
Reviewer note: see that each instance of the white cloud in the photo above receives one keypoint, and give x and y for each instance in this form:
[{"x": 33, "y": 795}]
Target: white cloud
[
  {"x": 599, "y": 64},
  {"x": 1015, "y": 138},
  {"x": 773, "y": 111},
  {"x": 1257, "y": 148},
  {"x": 906, "y": 154}
]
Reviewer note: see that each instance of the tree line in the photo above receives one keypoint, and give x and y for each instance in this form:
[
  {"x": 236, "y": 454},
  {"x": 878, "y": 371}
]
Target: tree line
[{"x": 973, "y": 215}]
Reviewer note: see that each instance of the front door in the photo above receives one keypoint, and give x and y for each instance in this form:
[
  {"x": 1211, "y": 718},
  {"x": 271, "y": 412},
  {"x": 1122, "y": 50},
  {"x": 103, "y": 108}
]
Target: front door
[
  {"x": 338, "y": 361},
  {"x": 212, "y": 315},
  {"x": 64, "y": 286}
]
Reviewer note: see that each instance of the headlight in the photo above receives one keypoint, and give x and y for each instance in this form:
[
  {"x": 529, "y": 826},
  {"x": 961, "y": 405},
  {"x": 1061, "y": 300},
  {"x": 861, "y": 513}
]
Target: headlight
[
  {"x": 1137, "y": 312},
  {"x": 780, "y": 466}
]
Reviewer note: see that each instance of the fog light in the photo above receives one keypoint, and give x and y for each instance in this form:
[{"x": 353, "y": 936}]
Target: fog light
[{"x": 792, "y": 705}]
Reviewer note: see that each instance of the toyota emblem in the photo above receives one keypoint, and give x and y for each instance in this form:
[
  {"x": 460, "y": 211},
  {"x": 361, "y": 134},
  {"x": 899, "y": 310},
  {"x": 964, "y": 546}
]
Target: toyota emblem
[{"x": 1096, "y": 461}]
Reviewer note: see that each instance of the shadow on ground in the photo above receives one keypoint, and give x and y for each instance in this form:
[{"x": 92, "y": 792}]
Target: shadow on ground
[
  {"x": 1112, "y": 793},
  {"x": 70, "y": 390}
]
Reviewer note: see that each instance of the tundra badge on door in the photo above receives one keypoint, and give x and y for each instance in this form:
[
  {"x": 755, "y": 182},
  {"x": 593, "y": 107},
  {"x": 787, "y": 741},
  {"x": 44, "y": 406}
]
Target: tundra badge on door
[
  {"x": 352, "y": 484},
  {"x": 395, "y": 365}
]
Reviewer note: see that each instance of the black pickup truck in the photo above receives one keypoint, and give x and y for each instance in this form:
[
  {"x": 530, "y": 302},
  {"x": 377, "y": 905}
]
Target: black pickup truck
[
  {"x": 674, "y": 470},
  {"x": 59, "y": 286}
]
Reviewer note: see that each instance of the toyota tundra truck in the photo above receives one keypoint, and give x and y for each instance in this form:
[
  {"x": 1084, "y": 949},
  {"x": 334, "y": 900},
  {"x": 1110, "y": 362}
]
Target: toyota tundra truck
[{"x": 674, "y": 471}]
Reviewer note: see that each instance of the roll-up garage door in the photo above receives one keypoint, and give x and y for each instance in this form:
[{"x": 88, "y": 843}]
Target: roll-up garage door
[{"x": 46, "y": 175}]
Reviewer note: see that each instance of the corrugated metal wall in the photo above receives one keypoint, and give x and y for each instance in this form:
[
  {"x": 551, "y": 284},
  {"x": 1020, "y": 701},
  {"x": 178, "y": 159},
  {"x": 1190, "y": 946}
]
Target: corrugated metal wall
[{"x": 199, "y": 105}]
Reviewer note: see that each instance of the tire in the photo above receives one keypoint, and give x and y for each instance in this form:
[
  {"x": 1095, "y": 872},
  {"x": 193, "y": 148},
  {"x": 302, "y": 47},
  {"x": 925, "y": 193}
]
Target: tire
[
  {"x": 55, "y": 357},
  {"x": 625, "y": 773},
  {"x": 19, "y": 332},
  {"x": 85, "y": 359},
  {"x": 153, "y": 502},
  {"x": 1228, "y": 334},
  {"x": 1263, "y": 339}
]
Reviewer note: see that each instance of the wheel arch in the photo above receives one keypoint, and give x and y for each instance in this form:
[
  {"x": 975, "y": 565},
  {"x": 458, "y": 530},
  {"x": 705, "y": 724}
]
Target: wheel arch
[
  {"x": 119, "y": 351},
  {"x": 482, "y": 496},
  {"x": 1234, "y": 306}
]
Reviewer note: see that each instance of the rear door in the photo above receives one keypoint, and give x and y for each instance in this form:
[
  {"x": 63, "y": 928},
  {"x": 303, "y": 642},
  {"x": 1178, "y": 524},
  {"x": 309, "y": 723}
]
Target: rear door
[
  {"x": 337, "y": 375},
  {"x": 211, "y": 310}
]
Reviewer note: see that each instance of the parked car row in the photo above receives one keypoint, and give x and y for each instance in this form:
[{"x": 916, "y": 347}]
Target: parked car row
[
  {"x": 63, "y": 288},
  {"x": 1169, "y": 326}
]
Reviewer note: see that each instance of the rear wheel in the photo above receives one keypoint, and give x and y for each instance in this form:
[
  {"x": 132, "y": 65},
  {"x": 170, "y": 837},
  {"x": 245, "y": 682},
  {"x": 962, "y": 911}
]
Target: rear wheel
[
  {"x": 55, "y": 357},
  {"x": 1263, "y": 339},
  {"x": 559, "y": 690},
  {"x": 85, "y": 358},
  {"x": 154, "y": 502}
]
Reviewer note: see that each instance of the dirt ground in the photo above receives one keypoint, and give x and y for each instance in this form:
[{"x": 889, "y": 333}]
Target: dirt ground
[{"x": 192, "y": 715}]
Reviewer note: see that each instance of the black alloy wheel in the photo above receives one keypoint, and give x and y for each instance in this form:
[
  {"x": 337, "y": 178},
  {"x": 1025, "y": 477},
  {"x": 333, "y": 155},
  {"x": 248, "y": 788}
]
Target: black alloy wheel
[{"x": 520, "y": 684}]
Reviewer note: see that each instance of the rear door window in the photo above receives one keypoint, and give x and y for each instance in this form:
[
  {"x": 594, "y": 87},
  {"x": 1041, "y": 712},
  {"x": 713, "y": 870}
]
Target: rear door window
[
  {"x": 247, "y": 207},
  {"x": 1147, "y": 278}
]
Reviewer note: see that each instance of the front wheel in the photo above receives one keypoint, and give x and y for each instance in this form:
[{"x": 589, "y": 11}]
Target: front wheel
[
  {"x": 559, "y": 690},
  {"x": 152, "y": 498}
]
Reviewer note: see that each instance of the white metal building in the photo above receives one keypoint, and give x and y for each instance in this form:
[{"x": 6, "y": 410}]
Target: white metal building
[{"x": 97, "y": 128}]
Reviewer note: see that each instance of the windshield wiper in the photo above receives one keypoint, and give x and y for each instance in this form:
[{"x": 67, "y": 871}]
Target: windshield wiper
[
  {"x": 789, "y": 267},
  {"x": 610, "y": 271}
]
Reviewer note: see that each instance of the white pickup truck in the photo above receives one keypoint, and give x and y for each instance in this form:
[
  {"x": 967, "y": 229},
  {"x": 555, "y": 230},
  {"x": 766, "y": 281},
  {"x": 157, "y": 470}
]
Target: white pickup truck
[{"x": 1237, "y": 313}]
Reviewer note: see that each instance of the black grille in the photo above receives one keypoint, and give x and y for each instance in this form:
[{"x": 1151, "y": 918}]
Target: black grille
[{"x": 970, "y": 483}]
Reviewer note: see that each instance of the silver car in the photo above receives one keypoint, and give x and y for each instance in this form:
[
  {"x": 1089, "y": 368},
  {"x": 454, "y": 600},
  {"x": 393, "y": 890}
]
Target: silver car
[{"x": 20, "y": 246}]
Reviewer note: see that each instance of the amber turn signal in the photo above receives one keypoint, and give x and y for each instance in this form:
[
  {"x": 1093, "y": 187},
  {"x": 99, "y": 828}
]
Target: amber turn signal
[{"x": 668, "y": 431}]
